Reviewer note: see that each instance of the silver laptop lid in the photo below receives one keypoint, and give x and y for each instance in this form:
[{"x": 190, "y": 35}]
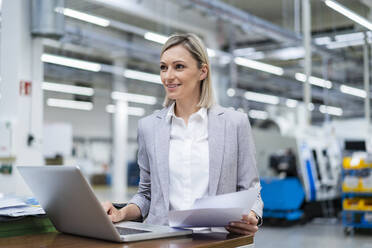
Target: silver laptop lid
[{"x": 69, "y": 201}]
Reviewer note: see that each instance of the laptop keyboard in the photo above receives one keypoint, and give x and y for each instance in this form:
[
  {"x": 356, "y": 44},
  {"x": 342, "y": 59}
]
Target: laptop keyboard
[{"x": 126, "y": 231}]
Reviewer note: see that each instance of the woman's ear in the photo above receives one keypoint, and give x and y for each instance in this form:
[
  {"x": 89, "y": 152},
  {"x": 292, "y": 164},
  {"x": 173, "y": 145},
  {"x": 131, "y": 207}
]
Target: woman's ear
[{"x": 204, "y": 72}]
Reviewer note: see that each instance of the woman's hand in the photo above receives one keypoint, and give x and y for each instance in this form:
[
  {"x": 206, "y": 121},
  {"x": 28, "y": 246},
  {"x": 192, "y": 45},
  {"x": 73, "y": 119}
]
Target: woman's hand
[
  {"x": 247, "y": 226},
  {"x": 114, "y": 214}
]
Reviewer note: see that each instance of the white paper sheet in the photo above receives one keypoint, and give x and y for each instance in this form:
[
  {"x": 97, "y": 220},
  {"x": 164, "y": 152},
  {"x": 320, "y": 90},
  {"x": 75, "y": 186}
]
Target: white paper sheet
[
  {"x": 13, "y": 206},
  {"x": 215, "y": 211},
  {"x": 12, "y": 202},
  {"x": 21, "y": 211}
]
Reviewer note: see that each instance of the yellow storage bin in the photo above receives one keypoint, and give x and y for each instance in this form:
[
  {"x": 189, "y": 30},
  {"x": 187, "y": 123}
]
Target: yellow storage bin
[
  {"x": 354, "y": 163},
  {"x": 365, "y": 204},
  {"x": 351, "y": 204},
  {"x": 351, "y": 184},
  {"x": 366, "y": 184}
]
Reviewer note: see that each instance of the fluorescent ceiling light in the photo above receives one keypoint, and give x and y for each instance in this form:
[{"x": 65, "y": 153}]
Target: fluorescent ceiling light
[
  {"x": 259, "y": 66},
  {"x": 230, "y": 92},
  {"x": 353, "y": 91},
  {"x": 211, "y": 53},
  {"x": 258, "y": 114},
  {"x": 66, "y": 88},
  {"x": 156, "y": 37},
  {"x": 131, "y": 110},
  {"x": 291, "y": 103},
  {"x": 61, "y": 103},
  {"x": 244, "y": 51},
  {"x": 84, "y": 17},
  {"x": 349, "y": 14},
  {"x": 322, "y": 40},
  {"x": 288, "y": 53},
  {"x": 256, "y": 55},
  {"x": 349, "y": 37},
  {"x": 257, "y": 97},
  {"x": 330, "y": 110},
  {"x": 335, "y": 45},
  {"x": 142, "y": 76},
  {"x": 75, "y": 63},
  {"x": 129, "y": 97},
  {"x": 314, "y": 80}
]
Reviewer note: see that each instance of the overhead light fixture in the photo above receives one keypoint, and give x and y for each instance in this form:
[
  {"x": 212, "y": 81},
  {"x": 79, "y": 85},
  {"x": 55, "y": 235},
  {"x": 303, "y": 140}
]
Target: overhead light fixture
[
  {"x": 291, "y": 103},
  {"x": 142, "y": 76},
  {"x": 69, "y": 62},
  {"x": 83, "y": 16},
  {"x": 66, "y": 88},
  {"x": 259, "y": 66},
  {"x": 336, "y": 45},
  {"x": 244, "y": 51},
  {"x": 287, "y": 53},
  {"x": 129, "y": 97},
  {"x": 70, "y": 104},
  {"x": 353, "y": 91},
  {"x": 230, "y": 92},
  {"x": 349, "y": 14},
  {"x": 211, "y": 53},
  {"x": 330, "y": 110},
  {"x": 314, "y": 80},
  {"x": 349, "y": 37},
  {"x": 161, "y": 39},
  {"x": 131, "y": 110},
  {"x": 323, "y": 40},
  {"x": 257, "y": 97},
  {"x": 258, "y": 114}
]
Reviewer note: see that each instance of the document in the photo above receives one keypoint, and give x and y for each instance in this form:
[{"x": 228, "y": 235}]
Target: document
[
  {"x": 13, "y": 206},
  {"x": 215, "y": 211}
]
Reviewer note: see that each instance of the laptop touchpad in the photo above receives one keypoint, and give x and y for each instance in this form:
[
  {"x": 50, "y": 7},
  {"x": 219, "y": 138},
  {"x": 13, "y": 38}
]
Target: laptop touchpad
[{"x": 126, "y": 231}]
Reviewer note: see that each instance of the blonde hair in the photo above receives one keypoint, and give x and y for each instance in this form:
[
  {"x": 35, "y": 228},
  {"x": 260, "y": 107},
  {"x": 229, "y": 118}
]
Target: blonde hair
[{"x": 196, "y": 48}]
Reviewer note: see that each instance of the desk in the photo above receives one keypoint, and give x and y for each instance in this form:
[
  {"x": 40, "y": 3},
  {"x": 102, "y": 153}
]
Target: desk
[
  {"x": 59, "y": 240},
  {"x": 40, "y": 232}
]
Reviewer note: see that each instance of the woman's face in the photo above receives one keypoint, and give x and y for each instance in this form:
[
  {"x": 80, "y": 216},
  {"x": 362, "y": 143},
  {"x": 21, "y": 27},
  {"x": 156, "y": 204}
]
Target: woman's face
[{"x": 180, "y": 74}]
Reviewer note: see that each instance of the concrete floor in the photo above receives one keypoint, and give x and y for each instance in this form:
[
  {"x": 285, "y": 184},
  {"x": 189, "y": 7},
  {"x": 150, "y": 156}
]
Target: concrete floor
[{"x": 311, "y": 235}]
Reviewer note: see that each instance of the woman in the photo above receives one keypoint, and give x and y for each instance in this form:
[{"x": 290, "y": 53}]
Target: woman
[{"x": 191, "y": 148}]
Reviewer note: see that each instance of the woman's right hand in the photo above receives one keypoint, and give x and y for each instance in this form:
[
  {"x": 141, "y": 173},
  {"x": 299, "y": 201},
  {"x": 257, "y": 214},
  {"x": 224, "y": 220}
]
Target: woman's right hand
[{"x": 114, "y": 214}]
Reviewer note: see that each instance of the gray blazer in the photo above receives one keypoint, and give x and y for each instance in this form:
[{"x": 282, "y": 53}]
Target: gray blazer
[{"x": 232, "y": 165}]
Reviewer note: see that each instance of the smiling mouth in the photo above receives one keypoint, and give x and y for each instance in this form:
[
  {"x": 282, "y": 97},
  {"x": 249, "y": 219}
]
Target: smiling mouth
[{"x": 171, "y": 86}]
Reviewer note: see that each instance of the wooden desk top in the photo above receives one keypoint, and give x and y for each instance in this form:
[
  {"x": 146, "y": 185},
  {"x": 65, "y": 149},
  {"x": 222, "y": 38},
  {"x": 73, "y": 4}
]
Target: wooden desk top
[{"x": 59, "y": 240}]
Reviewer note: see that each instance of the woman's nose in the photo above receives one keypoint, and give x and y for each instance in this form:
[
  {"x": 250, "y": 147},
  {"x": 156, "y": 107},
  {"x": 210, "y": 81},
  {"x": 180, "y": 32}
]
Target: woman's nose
[{"x": 169, "y": 75}]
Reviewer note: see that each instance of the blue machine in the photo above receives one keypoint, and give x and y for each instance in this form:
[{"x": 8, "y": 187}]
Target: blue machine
[{"x": 282, "y": 198}]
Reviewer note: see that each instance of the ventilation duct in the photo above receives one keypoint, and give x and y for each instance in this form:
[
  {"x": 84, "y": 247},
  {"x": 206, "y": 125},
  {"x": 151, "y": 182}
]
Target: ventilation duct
[{"x": 47, "y": 20}]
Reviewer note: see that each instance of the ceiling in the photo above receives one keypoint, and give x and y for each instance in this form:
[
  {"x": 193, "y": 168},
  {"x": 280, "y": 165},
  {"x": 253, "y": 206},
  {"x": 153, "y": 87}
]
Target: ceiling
[{"x": 105, "y": 45}]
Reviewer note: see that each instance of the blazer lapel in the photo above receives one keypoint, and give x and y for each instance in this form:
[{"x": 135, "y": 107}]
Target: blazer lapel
[
  {"x": 162, "y": 138},
  {"x": 216, "y": 141}
]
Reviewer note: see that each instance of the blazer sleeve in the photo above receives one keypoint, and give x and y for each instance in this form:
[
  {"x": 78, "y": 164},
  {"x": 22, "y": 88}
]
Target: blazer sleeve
[
  {"x": 247, "y": 169},
  {"x": 143, "y": 197}
]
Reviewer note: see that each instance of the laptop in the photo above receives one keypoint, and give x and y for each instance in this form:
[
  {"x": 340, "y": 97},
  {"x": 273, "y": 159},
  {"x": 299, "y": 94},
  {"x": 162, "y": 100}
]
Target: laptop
[{"x": 71, "y": 205}]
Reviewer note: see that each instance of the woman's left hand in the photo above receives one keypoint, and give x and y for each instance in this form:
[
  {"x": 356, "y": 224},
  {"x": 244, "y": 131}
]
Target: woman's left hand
[{"x": 247, "y": 225}]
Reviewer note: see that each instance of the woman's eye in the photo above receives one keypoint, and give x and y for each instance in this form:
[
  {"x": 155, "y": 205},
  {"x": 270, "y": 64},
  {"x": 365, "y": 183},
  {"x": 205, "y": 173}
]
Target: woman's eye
[
  {"x": 179, "y": 66},
  {"x": 163, "y": 67}
]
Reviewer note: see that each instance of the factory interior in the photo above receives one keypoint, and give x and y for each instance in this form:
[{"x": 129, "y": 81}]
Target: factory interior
[{"x": 76, "y": 76}]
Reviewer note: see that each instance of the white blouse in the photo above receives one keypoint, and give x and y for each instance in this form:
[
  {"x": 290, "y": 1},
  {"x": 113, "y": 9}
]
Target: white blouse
[{"x": 188, "y": 159}]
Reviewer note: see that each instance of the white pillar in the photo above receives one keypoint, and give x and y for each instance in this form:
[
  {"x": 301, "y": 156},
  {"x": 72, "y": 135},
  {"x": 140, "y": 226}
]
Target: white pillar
[
  {"x": 307, "y": 45},
  {"x": 218, "y": 82},
  {"x": 120, "y": 136},
  {"x": 367, "y": 100},
  {"x": 20, "y": 60}
]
